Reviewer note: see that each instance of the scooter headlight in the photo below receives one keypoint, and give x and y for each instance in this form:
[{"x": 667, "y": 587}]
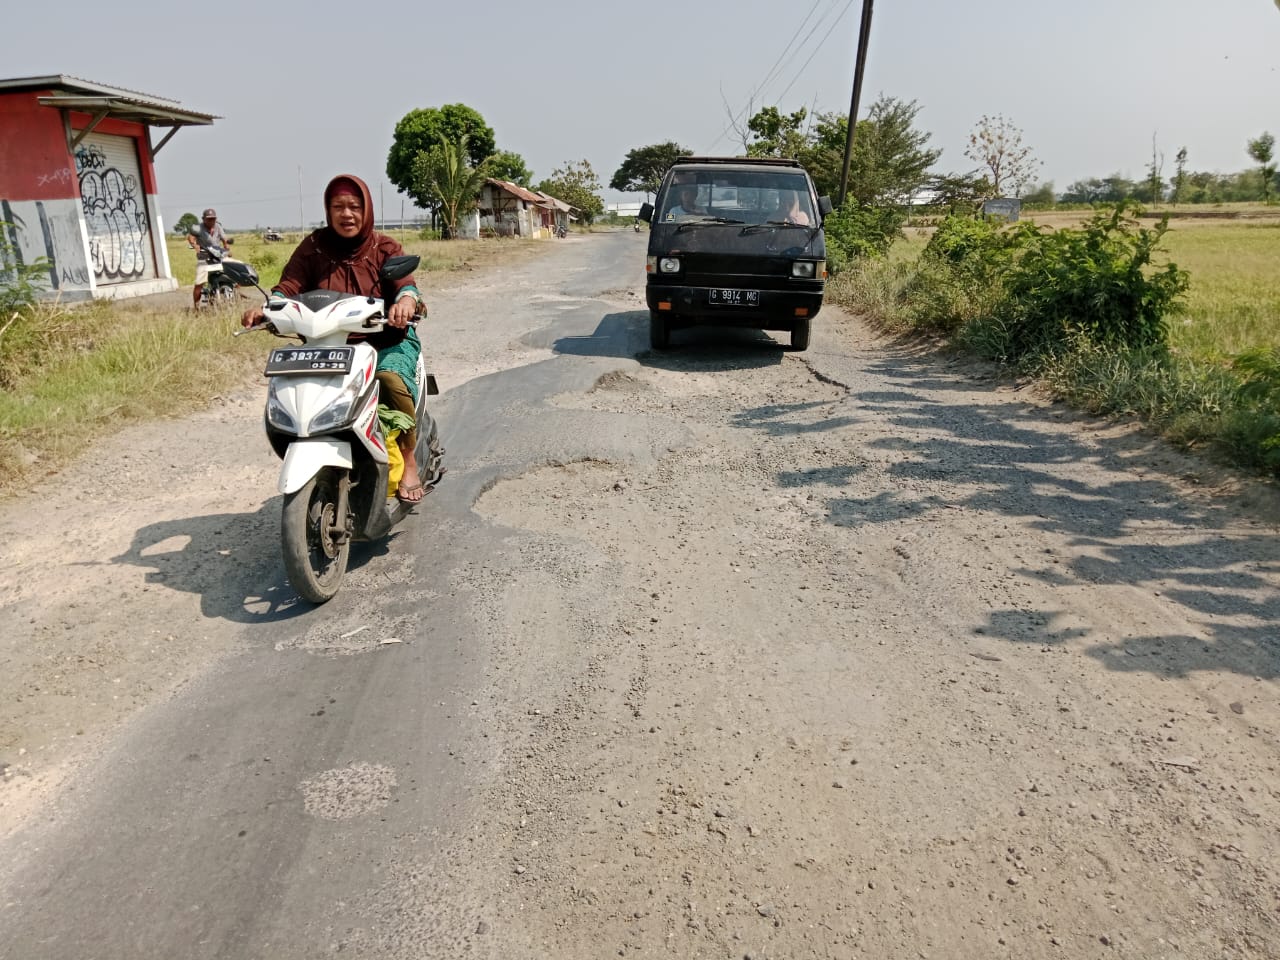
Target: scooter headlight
[
  {"x": 277, "y": 415},
  {"x": 341, "y": 411}
]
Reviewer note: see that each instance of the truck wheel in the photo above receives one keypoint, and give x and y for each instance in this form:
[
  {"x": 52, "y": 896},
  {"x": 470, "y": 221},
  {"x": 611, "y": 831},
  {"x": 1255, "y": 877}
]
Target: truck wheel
[
  {"x": 800, "y": 335},
  {"x": 314, "y": 538},
  {"x": 659, "y": 331}
]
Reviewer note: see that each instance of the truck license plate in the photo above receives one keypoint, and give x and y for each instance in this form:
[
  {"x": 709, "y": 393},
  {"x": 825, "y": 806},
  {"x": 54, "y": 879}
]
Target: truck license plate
[{"x": 735, "y": 298}]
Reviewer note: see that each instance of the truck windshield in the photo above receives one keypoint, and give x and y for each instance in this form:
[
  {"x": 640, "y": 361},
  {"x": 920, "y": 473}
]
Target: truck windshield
[{"x": 738, "y": 196}]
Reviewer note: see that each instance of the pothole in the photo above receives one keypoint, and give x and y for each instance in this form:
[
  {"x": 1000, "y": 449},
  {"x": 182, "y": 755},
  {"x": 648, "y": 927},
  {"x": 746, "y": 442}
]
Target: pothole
[{"x": 348, "y": 792}]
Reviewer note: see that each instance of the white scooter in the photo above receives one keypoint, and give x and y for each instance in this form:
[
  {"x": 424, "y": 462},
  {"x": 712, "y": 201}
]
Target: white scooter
[{"x": 322, "y": 420}]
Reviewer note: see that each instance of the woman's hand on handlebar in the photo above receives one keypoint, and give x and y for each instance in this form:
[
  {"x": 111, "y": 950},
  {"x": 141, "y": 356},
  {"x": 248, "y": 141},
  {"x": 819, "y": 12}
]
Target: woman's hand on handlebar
[
  {"x": 402, "y": 311},
  {"x": 251, "y": 316}
]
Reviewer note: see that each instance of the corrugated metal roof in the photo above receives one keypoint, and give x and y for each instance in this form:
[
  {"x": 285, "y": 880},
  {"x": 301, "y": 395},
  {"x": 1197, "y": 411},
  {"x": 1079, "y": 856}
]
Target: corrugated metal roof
[
  {"x": 555, "y": 202},
  {"x": 74, "y": 93},
  {"x": 517, "y": 190}
]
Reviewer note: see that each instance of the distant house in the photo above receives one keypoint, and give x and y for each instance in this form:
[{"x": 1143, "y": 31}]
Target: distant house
[
  {"x": 78, "y": 183},
  {"x": 561, "y": 212},
  {"x": 509, "y": 210}
]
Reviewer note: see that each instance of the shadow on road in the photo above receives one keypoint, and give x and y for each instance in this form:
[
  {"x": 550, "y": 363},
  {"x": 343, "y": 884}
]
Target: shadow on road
[
  {"x": 708, "y": 349},
  {"x": 1128, "y": 524},
  {"x": 231, "y": 561}
]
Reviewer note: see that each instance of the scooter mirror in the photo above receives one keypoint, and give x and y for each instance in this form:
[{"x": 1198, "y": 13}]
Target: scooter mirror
[
  {"x": 241, "y": 274},
  {"x": 397, "y": 268}
]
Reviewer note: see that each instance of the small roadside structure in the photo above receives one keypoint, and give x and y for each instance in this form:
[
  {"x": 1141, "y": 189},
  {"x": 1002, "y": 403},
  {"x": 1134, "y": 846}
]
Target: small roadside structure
[
  {"x": 1007, "y": 209},
  {"x": 509, "y": 210},
  {"x": 78, "y": 183},
  {"x": 561, "y": 212}
]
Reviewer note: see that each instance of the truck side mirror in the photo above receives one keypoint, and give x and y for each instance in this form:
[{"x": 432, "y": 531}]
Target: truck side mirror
[
  {"x": 825, "y": 207},
  {"x": 646, "y": 212}
]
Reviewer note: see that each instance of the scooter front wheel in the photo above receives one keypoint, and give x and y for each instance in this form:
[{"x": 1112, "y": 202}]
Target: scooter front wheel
[{"x": 314, "y": 538}]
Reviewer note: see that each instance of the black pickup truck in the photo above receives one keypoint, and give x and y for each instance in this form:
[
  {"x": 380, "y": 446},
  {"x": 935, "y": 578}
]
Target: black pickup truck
[{"x": 735, "y": 241}]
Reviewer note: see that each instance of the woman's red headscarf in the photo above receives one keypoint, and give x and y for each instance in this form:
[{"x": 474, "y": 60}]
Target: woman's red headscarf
[{"x": 330, "y": 240}]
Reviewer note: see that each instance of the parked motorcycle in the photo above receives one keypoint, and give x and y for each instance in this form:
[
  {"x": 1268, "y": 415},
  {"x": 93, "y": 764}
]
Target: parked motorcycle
[
  {"x": 562, "y": 231},
  {"x": 220, "y": 288},
  {"x": 322, "y": 421}
]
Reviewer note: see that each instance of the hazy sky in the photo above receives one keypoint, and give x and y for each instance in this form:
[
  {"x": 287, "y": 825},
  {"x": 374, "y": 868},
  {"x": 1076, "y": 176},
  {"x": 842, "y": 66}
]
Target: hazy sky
[{"x": 321, "y": 85}]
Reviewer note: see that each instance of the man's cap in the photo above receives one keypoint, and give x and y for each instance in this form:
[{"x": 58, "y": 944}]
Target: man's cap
[{"x": 209, "y": 213}]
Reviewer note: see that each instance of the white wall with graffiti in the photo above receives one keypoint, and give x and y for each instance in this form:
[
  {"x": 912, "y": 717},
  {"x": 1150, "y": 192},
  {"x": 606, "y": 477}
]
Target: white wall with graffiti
[
  {"x": 108, "y": 241},
  {"x": 53, "y": 229}
]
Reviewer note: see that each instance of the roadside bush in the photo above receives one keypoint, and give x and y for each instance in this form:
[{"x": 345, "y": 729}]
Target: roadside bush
[
  {"x": 264, "y": 261},
  {"x": 1258, "y": 396},
  {"x": 1022, "y": 293},
  {"x": 1098, "y": 282},
  {"x": 856, "y": 232},
  {"x": 20, "y": 283},
  {"x": 959, "y": 278}
]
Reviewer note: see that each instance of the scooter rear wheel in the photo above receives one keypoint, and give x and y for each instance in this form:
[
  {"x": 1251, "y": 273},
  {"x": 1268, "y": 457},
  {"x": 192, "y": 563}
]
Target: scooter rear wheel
[{"x": 314, "y": 539}]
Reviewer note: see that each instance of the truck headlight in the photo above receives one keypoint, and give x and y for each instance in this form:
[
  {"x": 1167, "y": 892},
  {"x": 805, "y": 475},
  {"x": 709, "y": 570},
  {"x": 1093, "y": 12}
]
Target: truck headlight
[
  {"x": 669, "y": 265},
  {"x": 805, "y": 269}
]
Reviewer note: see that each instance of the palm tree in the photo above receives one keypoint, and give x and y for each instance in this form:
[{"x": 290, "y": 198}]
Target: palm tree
[{"x": 442, "y": 173}]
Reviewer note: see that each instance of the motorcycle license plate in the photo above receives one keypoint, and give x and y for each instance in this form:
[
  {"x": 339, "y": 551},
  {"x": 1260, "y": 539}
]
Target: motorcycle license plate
[
  {"x": 288, "y": 360},
  {"x": 735, "y": 298}
]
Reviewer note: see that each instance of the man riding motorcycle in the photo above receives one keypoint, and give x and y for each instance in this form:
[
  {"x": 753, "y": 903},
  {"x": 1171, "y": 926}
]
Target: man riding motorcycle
[{"x": 210, "y": 242}]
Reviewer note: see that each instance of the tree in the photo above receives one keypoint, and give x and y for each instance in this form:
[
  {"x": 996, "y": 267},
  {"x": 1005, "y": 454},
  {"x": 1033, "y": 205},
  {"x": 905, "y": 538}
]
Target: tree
[
  {"x": 442, "y": 174},
  {"x": 777, "y": 135},
  {"x": 1112, "y": 189},
  {"x": 1040, "y": 194},
  {"x": 890, "y": 160},
  {"x": 508, "y": 165},
  {"x": 185, "y": 223},
  {"x": 1179, "y": 180},
  {"x": 1152, "y": 189},
  {"x": 420, "y": 130},
  {"x": 1262, "y": 150},
  {"x": 996, "y": 144},
  {"x": 577, "y": 185},
  {"x": 642, "y": 170},
  {"x": 964, "y": 190}
]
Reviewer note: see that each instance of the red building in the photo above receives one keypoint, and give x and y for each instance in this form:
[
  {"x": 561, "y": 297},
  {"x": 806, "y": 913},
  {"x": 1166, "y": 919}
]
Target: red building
[{"x": 78, "y": 183}]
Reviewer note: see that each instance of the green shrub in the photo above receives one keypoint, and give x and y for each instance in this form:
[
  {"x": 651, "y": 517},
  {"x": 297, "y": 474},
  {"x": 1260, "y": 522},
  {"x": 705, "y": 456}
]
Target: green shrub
[
  {"x": 1098, "y": 282},
  {"x": 264, "y": 261},
  {"x": 1258, "y": 397},
  {"x": 856, "y": 232},
  {"x": 20, "y": 283}
]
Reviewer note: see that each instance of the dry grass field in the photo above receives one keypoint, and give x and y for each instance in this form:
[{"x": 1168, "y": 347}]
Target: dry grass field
[{"x": 88, "y": 369}]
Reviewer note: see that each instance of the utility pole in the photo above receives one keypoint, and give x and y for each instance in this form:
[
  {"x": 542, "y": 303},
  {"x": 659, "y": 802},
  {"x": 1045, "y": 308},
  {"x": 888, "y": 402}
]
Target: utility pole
[{"x": 864, "y": 35}]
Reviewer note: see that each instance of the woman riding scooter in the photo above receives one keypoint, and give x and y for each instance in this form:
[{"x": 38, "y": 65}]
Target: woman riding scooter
[{"x": 346, "y": 255}]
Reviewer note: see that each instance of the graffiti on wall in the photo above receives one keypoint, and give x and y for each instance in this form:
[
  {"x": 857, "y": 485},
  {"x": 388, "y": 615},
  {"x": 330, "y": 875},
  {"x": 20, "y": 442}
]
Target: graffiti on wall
[
  {"x": 90, "y": 158},
  {"x": 115, "y": 214},
  {"x": 57, "y": 240}
]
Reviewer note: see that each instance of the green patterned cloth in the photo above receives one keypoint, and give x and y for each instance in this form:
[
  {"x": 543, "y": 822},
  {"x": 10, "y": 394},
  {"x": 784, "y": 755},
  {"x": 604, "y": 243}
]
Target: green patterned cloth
[{"x": 402, "y": 358}]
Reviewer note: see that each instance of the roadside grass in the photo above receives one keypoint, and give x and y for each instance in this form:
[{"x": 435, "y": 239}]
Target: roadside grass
[
  {"x": 1197, "y": 391},
  {"x": 71, "y": 373}
]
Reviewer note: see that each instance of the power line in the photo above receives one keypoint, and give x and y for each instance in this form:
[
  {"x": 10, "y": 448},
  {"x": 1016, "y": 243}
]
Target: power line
[
  {"x": 826, "y": 37},
  {"x": 767, "y": 78}
]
